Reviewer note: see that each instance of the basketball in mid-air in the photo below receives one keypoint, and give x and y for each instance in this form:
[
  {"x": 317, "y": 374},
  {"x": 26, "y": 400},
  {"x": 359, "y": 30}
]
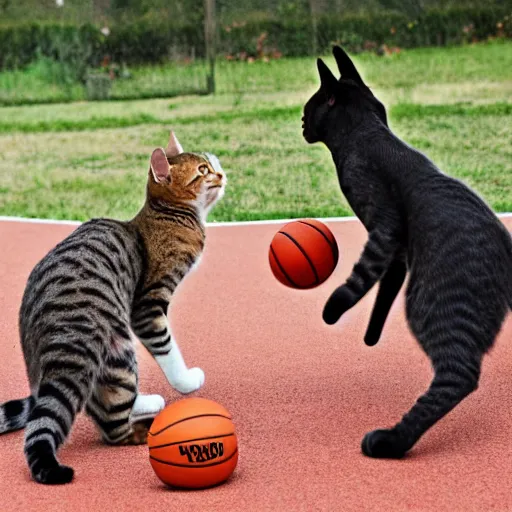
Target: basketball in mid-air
[
  {"x": 192, "y": 444},
  {"x": 303, "y": 254}
]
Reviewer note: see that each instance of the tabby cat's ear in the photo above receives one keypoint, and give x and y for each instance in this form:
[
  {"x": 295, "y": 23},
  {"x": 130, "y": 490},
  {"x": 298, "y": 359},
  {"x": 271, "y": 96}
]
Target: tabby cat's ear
[
  {"x": 173, "y": 147},
  {"x": 346, "y": 66},
  {"x": 329, "y": 83},
  {"x": 160, "y": 166}
]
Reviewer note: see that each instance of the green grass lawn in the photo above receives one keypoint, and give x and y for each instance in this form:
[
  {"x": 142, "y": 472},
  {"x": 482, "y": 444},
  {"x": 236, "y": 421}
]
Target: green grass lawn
[
  {"x": 404, "y": 72},
  {"x": 79, "y": 160}
]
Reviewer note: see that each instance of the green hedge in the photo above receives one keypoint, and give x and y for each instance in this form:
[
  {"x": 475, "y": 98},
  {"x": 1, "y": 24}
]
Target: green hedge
[
  {"x": 142, "y": 42},
  {"x": 357, "y": 32},
  {"x": 21, "y": 44},
  {"x": 147, "y": 43}
]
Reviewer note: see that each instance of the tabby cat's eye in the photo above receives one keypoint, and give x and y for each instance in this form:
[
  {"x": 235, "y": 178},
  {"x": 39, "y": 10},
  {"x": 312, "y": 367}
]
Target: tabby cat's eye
[{"x": 203, "y": 169}]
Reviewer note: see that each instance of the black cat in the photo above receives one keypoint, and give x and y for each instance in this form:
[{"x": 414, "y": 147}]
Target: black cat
[{"x": 456, "y": 251}]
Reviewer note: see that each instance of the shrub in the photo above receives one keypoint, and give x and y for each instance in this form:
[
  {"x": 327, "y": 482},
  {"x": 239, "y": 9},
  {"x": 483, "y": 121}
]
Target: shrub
[
  {"x": 148, "y": 41},
  {"x": 22, "y": 44}
]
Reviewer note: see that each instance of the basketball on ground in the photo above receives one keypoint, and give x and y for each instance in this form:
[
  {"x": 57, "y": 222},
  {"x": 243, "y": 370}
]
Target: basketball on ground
[{"x": 192, "y": 444}]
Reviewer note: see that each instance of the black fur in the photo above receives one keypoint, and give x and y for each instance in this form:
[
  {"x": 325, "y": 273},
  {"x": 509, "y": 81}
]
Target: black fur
[{"x": 456, "y": 251}]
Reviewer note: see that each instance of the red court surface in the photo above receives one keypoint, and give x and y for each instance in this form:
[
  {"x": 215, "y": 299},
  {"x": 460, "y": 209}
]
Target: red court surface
[{"x": 302, "y": 395}]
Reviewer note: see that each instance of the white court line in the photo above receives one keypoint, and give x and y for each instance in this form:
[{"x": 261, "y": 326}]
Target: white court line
[
  {"x": 39, "y": 221},
  {"x": 209, "y": 224}
]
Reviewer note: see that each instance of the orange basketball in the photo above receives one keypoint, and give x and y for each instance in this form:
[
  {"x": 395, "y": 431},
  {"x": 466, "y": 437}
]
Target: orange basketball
[
  {"x": 192, "y": 444},
  {"x": 303, "y": 254}
]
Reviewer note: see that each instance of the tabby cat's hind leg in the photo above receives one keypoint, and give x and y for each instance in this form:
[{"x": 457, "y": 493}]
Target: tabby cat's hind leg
[
  {"x": 144, "y": 410},
  {"x": 121, "y": 414},
  {"x": 58, "y": 401}
]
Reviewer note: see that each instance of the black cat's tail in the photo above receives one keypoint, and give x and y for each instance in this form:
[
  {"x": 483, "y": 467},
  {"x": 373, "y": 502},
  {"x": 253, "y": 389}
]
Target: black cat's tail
[{"x": 14, "y": 414}]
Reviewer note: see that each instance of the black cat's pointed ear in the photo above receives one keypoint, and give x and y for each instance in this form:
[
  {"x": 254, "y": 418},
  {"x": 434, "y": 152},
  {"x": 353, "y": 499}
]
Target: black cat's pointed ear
[
  {"x": 346, "y": 66},
  {"x": 328, "y": 81}
]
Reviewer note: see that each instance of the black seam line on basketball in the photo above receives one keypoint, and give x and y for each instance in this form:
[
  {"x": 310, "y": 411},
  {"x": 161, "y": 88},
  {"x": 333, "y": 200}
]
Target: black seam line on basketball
[
  {"x": 199, "y": 465},
  {"x": 281, "y": 268},
  {"x": 189, "y": 418},
  {"x": 333, "y": 246},
  {"x": 304, "y": 254},
  {"x": 192, "y": 440},
  {"x": 284, "y": 272}
]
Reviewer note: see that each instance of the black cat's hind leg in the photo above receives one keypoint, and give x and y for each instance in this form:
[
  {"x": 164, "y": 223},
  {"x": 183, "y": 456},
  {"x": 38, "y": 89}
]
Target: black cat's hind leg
[
  {"x": 456, "y": 376},
  {"x": 456, "y": 325},
  {"x": 390, "y": 285}
]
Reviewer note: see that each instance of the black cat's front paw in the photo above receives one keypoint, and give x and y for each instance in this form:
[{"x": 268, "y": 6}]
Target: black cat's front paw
[
  {"x": 372, "y": 337},
  {"x": 340, "y": 301},
  {"x": 384, "y": 444}
]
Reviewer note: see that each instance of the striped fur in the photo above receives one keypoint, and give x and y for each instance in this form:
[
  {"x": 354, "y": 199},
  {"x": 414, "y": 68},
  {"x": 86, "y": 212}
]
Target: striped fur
[
  {"x": 456, "y": 252},
  {"x": 84, "y": 300},
  {"x": 14, "y": 414}
]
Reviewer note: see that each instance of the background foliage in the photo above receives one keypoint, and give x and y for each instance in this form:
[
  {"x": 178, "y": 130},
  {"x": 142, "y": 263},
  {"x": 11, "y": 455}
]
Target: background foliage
[{"x": 155, "y": 38}]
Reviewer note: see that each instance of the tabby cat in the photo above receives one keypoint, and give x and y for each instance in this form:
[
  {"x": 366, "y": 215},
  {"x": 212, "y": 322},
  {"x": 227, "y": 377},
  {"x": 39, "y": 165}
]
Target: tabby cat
[
  {"x": 85, "y": 298},
  {"x": 420, "y": 222}
]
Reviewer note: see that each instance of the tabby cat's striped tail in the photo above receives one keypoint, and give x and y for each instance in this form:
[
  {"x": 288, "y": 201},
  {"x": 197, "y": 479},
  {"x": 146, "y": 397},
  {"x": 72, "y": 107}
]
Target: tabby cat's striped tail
[{"x": 14, "y": 414}]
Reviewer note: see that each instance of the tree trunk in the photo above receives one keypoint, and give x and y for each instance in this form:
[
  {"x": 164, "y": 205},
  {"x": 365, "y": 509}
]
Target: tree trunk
[{"x": 210, "y": 33}]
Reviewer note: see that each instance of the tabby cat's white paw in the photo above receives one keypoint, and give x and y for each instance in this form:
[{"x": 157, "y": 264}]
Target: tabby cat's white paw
[
  {"x": 189, "y": 381},
  {"x": 146, "y": 406}
]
